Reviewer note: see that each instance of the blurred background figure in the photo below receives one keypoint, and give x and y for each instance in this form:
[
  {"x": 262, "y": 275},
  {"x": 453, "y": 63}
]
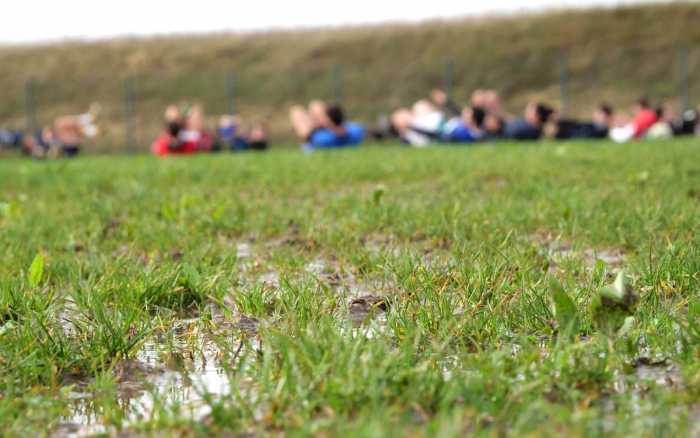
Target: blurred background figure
[
  {"x": 597, "y": 128},
  {"x": 437, "y": 121},
  {"x": 233, "y": 136},
  {"x": 531, "y": 125},
  {"x": 62, "y": 138},
  {"x": 644, "y": 117},
  {"x": 323, "y": 126},
  {"x": 185, "y": 133}
]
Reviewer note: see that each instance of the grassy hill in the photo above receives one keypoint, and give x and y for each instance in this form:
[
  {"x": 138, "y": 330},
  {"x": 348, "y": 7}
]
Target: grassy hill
[{"x": 613, "y": 54}]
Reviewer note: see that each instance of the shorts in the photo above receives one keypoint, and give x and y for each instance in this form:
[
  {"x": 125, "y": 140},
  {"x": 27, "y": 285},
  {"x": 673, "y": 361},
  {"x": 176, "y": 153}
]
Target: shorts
[
  {"x": 10, "y": 138},
  {"x": 455, "y": 131},
  {"x": 323, "y": 138},
  {"x": 70, "y": 150}
]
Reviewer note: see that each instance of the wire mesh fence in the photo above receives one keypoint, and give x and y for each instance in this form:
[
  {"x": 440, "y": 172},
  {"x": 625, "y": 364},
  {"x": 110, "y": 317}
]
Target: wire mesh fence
[{"x": 572, "y": 80}]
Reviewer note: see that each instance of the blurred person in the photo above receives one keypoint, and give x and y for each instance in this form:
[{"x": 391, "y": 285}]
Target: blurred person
[
  {"x": 439, "y": 121},
  {"x": 194, "y": 131},
  {"x": 663, "y": 128},
  {"x": 531, "y": 126},
  {"x": 644, "y": 118},
  {"x": 490, "y": 102},
  {"x": 169, "y": 142},
  {"x": 11, "y": 138},
  {"x": 184, "y": 132},
  {"x": 323, "y": 126},
  {"x": 602, "y": 120},
  {"x": 687, "y": 124},
  {"x": 231, "y": 135},
  {"x": 472, "y": 117},
  {"x": 63, "y": 138},
  {"x": 494, "y": 127},
  {"x": 495, "y": 118}
]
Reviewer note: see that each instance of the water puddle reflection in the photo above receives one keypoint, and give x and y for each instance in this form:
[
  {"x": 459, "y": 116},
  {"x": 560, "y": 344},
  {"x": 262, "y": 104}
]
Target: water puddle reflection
[{"x": 180, "y": 381}]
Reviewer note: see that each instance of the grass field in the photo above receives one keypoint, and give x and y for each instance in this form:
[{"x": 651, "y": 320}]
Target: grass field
[{"x": 381, "y": 291}]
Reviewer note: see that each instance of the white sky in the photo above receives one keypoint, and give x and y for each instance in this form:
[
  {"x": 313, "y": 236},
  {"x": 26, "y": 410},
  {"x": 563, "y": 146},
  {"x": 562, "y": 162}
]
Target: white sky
[{"x": 43, "y": 20}]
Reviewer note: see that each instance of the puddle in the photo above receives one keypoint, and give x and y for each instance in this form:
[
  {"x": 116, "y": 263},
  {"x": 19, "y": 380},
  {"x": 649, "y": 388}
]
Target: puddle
[
  {"x": 293, "y": 237},
  {"x": 243, "y": 251},
  {"x": 270, "y": 279},
  {"x": 660, "y": 372},
  {"x": 430, "y": 251},
  {"x": 365, "y": 307},
  {"x": 178, "y": 378},
  {"x": 646, "y": 373},
  {"x": 318, "y": 267}
]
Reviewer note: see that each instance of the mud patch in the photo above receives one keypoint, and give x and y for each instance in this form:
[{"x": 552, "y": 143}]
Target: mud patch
[
  {"x": 558, "y": 251},
  {"x": 244, "y": 250},
  {"x": 270, "y": 279},
  {"x": 659, "y": 372},
  {"x": 366, "y": 300},
  {"x": 179, "y": 377},
  {"x": 431, "y": 252},
  {"x": 365, "y": 307}
]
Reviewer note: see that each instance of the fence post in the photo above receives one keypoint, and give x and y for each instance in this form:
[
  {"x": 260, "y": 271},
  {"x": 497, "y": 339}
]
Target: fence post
[
  {"x": 338, "y": 84},
  {"x": 564, "y": 82},
  {"x": 447, "y": 78},
  {"x": 231, "y": 92},
  {"x": 30, "y": 112},
  {"x": 684, "y": 78},
  {"x": 128, "y": 114}
]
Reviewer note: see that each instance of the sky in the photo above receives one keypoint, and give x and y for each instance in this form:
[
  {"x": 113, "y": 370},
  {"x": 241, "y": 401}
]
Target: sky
[{"x": 27, "y": 21}]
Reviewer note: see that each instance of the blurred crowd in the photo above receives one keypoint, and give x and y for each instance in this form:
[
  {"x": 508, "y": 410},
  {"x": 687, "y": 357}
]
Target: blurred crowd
[
  {"x": 436, "y": 119},
  {"x": 440, "y": 120},
  {"x": 186, "y": 133},
  {"x": 63, "y": 137}
]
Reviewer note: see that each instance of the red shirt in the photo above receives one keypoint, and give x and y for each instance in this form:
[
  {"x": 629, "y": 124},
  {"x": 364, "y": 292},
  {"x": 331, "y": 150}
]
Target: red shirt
[
  {"x": 644, "y": 120},
  {"x": 162, "y": 146}
]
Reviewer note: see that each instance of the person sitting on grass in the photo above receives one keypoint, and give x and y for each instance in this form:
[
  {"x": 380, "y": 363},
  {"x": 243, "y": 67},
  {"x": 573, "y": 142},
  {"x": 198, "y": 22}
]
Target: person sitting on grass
[
  {"x": 532, "y": 125},
  {"x": 233, "y": 136},
  {"x": 439, "y": 121},
  {"x": 570, "y": 129},
  {"x": 324, "y": 126}
]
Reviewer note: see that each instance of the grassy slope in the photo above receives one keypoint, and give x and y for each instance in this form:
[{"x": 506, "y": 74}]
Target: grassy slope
[
  {"x": 446, "y": 364},
  {"x": 614, "y": 54}
]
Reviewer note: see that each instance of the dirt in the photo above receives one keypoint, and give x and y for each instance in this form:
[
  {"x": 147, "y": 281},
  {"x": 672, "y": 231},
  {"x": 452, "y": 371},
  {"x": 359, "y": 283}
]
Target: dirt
[
  {"x": 183, "y": 376},
  {"x": 366, "y": 306},
  {"x": 557, "y": 250}
]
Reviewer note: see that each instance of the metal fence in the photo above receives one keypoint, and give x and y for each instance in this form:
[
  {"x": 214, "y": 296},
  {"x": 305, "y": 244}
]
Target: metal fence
[{"x": 132, "y": 107}]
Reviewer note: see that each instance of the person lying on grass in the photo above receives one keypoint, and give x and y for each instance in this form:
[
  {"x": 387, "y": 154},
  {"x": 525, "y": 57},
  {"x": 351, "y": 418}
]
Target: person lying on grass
[
  {"x": 497, "y": 124},
  {"x": 232, "y": 135},
  {"x": 602, "y": 120},
  {"x": 62, "y": 138},
  {"x": 184, "y": 132},
  {"x": 531, "y": 125},
  {"x": 635, "y": 128},
  {"x": 438, "y": 121},
  {"x": 323, "y": 126}
]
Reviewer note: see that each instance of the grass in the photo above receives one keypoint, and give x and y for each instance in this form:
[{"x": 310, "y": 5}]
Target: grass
[
  {"x": 408, "y": 292},
  {"x": 613, "y": 54}
]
